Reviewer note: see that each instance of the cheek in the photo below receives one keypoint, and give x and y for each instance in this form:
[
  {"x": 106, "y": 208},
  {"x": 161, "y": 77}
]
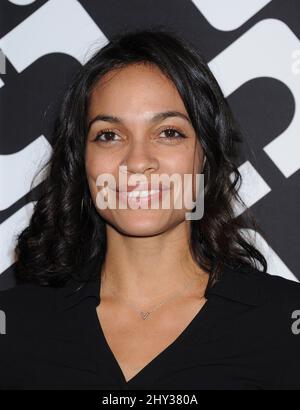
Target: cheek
[
  {"x": 96, "y": 164},
  {"x": 186, "y": 165},
  {"x": 182, "y": 163}
]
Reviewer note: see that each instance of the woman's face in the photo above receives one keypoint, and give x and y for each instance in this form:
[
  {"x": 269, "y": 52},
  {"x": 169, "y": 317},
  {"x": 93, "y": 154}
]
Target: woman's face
[{"x": 140, "y": 145}]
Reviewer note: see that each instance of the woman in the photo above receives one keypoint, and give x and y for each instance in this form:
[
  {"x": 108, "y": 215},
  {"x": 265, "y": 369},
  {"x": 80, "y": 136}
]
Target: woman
[{"x": 130, "y": 297}]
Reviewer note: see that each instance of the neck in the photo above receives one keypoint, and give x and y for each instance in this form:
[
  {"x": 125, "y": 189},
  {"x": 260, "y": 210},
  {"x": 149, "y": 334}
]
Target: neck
[{"x": 145, "y": 269}]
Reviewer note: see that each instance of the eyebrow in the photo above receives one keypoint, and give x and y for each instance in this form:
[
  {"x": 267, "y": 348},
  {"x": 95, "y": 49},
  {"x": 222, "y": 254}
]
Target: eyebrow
[{"x": 160, "y": 116}]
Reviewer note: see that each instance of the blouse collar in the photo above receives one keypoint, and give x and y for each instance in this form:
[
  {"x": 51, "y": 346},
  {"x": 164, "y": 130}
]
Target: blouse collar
[{"x": 244, "y": 285}]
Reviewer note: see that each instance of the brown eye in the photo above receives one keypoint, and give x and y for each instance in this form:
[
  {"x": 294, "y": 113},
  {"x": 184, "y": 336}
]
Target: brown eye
[
  {"x": 173, "y": 133},
  {"x": 105, "y": 136}
]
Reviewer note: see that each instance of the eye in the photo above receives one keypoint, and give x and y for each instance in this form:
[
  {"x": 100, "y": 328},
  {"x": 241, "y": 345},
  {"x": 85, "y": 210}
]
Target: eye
[
  {"x": 107, "y": 134},
  {"x": 171, "y": 134}
]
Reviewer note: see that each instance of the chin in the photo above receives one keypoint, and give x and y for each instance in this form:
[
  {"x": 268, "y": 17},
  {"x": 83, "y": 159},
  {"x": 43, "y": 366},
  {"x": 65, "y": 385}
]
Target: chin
[{"x": 141, "y": 223}]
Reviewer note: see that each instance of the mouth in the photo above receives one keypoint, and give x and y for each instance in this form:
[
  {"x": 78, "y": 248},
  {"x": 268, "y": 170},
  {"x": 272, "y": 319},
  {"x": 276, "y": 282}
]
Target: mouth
[
  {"x": 141, "y": 197},
  {"x": 141, "y": 194},
  {"x": 142, "y": 189}
]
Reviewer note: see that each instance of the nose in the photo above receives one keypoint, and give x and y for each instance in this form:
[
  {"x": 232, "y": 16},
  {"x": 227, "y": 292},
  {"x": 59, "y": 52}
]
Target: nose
[{"x": 140, "y": 158}]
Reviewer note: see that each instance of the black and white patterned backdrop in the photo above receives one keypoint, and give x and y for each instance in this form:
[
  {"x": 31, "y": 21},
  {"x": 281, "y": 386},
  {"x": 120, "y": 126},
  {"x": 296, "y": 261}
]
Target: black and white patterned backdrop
[{"x": 253, "y": 49}]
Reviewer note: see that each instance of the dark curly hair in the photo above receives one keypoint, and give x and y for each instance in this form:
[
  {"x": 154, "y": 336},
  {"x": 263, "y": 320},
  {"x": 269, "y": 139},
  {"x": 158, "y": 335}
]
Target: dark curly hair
[{"x": 62, "y": 236}]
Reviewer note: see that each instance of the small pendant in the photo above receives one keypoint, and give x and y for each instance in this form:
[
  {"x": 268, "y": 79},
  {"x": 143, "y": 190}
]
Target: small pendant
[{"x": 144, "y": 315}]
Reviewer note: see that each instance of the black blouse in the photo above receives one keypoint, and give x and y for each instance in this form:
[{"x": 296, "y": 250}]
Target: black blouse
[{"x": 245, "y": 337}]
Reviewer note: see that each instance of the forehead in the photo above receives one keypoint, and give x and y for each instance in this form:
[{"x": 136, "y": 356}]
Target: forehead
[{"x": 133, "y": 92}]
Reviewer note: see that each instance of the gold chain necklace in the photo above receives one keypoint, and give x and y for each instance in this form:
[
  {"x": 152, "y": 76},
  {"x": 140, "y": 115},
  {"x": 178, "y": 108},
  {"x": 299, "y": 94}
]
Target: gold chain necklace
[{"x": 145, "y": 314}]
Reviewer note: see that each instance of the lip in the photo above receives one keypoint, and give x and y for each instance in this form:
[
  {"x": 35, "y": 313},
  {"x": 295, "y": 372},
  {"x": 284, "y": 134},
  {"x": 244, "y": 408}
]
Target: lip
[
  {"x": 123, "y": 197},
  {"x": 141, "y": 187}
]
